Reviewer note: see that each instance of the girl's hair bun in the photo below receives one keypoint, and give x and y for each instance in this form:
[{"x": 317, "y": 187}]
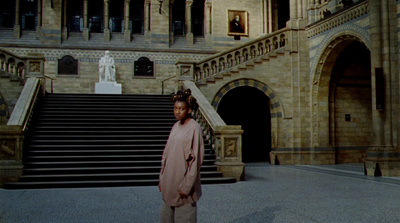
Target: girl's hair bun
[{"x": 186, "y": 96}]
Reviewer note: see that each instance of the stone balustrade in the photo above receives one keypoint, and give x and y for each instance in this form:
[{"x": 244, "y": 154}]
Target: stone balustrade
[
  {"x": 357, "y": 10},
  {"x": 226, "y": 60},
  {"x": 19, "y": 68},
  {"x": 226, "y": 140}
]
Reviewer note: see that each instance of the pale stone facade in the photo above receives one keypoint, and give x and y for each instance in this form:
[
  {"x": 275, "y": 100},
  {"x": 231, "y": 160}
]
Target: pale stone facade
[{"x": 322, "y": 104}]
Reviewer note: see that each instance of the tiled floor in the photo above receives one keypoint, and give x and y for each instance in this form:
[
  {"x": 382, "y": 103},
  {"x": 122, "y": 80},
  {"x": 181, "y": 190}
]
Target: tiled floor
[{"x": 286, "y": 194}]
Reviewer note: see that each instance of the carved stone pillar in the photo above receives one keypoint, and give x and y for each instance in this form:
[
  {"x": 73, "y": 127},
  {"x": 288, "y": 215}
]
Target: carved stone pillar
[
  {"x": 189, "y": 33},
  {"x": 127, "y": 31},
  {"x": 228, "y": 148},
  {"x": 39, "y": 20},
  {"x": 85, "y": 31},
  {"x": 207, "y": 21},
  {"x": 185, "y": 69},
  {"x": 107, "y": 33},
  {"x": 147, "y": 33},
  {"x": 11, "y": 143},
  {"x": 17, "y": 27}
]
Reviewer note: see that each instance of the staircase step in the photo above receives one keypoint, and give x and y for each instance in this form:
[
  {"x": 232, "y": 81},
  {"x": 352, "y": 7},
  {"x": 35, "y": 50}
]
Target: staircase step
[
  {"x": 98, "y": 132},
  {"x": 102, "y": 176},
  {"x": 103, "y": 137},
  {"x": 88, "y": 170},
  {"x": 80, "y": 140},
  {"x": 103, "y": 183},
  {"x": 101, "y": 163},
  {"x": 109, "y": 157}
]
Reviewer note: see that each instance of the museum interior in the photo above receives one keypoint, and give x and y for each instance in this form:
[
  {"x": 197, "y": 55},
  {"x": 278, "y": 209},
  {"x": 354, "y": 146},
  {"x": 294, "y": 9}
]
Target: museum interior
[{"x": 85, "y": 87}]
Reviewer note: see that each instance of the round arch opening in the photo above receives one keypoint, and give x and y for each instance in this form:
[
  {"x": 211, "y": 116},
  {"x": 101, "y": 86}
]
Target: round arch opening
[{"x": 249, "y": 107}]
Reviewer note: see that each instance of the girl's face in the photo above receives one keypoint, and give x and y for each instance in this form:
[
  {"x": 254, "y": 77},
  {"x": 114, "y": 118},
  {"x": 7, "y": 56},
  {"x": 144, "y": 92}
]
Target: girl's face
[{"x": 181, "y": 110}]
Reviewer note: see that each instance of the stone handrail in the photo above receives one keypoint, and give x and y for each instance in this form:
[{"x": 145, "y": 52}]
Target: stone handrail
[
  {"x": 226, "y": 140},
  {"x": 26, "y": 102},
  {"x": 21, "y": 67},
  {"x": 226, "y": 60},
  {"x": 12, "y": 134}
]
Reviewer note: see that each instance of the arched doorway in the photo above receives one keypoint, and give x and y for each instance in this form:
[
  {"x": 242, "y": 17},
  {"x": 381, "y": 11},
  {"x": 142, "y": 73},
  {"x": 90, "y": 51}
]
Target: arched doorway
[
  {"x": 350, "y": 103},
  {"x": 249, "y": 107},
  {"x": 342, "y": 99}
]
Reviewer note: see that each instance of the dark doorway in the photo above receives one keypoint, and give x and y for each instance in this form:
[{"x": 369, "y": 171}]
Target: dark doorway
[
  {"x": 116, "y": 20},
  {"x": 248, "y": 107},
  {"x": 75, "y": 15},
  {"x": 283, "y": 13},
  {"x": 178, "y": 17},
  {"x": 7, "y": 14},
  {"x": 198, "y": 18},
  {"x": 28, "y": 14},
  {"x": 95, "y": 15}
]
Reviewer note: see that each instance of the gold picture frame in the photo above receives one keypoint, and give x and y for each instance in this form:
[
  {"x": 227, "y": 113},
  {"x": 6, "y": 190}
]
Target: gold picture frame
[{"x": 238, "y": 23}]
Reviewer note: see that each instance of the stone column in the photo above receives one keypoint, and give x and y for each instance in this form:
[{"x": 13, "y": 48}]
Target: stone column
[
  {"x": 207, "y": 21},
  {"x": 269, "y": 10},
  {"x": 107, "y": 33},
  {"x": 17, "y": 27},
  {"x": 382, "y": 156},
  {"x": 300, "y": 8},
  {"x": 311, "y": 11},
  {"x": 265, "y": 16},
  {"x": 127, "y": 31},
  {"x": 147, "y": 33},
  {"x": 64, "y": 22},
  {"x": 85, "y": 31},
  {"x": 189, "y": 31},
  {"x": 39, "y": 20},
  {"x": 293, "y": 9}
]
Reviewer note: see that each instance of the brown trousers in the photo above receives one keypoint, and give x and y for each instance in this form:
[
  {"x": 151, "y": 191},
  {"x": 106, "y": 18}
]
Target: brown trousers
[{"x": 183, "y": 214}]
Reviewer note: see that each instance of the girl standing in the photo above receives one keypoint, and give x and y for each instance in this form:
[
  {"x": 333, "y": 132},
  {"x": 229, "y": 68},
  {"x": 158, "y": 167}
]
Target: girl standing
[{"x": 181, "y": 162}]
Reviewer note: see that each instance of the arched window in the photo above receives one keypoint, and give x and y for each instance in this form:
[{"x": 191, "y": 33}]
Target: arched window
[
  {"x": 144, "y": 67},
  {"x": 28, "y": 14},
  {"x": 95, "y": 16},
  {"x": 7, "y": 14},
  {"x": 198, "y": 17},
  {"x": 178, "y": 17},
  {"x": 75, "y": 15},
  {"x": 68, "y": 65}
]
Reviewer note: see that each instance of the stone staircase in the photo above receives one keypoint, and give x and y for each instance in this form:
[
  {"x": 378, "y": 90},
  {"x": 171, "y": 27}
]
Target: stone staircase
[{"x": 79, "y": 140}]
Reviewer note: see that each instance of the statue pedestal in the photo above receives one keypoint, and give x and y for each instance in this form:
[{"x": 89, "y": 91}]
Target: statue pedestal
[{"x": 108, "y": 88}]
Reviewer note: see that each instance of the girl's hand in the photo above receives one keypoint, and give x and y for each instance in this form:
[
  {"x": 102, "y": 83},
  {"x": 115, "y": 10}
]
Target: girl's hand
[{"x": 182, "y": 195}]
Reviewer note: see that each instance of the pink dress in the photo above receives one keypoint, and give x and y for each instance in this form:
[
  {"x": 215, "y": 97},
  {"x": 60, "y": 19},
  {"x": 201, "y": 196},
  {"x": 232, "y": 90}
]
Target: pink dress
[{"x": 181, "y": 163}]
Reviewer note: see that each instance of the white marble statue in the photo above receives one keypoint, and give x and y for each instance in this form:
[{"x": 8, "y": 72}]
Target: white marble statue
[{"x": 107, "y": 68}]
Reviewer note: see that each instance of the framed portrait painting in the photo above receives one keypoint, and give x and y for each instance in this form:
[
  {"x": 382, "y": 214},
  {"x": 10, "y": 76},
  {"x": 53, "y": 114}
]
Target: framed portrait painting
[{"x": 237, "y": 23}]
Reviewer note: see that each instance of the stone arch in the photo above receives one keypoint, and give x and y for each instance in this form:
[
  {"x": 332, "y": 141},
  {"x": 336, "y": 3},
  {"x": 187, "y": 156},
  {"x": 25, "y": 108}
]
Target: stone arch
[
  {"x": 276, "y": 109},
  {"x": 321, "y": 83}
]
